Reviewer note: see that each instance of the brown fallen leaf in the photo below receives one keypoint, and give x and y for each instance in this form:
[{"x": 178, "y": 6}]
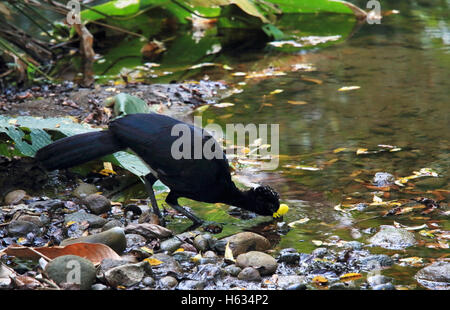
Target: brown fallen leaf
[
  {"x": 26, "y": 282},
  {"x": 95, "y": 252},
  {"x": 293, "y": 102},
  {"x": 316, "y": 81}
]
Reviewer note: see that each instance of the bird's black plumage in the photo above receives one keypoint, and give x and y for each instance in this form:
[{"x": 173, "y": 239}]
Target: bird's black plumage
[{"x": 151, "y": 137}]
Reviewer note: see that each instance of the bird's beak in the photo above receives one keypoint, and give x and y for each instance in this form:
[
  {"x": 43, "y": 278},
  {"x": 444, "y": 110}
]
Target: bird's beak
[{"x": 283, "y": 209}]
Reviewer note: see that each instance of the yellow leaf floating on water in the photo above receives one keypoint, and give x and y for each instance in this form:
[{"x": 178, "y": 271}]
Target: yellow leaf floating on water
[
  {"x": 317, "y": 242},
  {"x": 301, "y": 221},
  {"x": 153, "y": 261},
  {"x": 339, "y": 149},
  {"x": 227, "y": 67},
  {"x": 224, "y": 105},
  {"x": 276, "y": 91},
  {"x": 203, "y": 108},
  {"x": 293, "y": 102},
  {"x": 225, "y": 116},
  {"x": 307, "y": 79},
  {"x": 350, "y": 276},
  {"x": 348, "y": 88},
  {"x": 239, "y": 74},
  {"x": 412, "y": 261},
  {"x": 361, "y": 151}
]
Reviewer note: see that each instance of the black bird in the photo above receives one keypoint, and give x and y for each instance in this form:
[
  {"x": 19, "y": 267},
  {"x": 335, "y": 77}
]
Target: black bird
[{"x": 150, "y": 137}]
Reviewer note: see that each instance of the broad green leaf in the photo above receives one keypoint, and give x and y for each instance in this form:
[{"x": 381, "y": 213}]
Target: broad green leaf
[
  {"x": 127, "y": 104},
  {"x": 312, "y": 6}
]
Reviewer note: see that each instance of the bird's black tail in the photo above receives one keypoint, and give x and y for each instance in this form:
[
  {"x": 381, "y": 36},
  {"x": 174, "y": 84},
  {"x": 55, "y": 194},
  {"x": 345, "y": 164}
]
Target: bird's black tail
[{"x": 78, "y": 149}]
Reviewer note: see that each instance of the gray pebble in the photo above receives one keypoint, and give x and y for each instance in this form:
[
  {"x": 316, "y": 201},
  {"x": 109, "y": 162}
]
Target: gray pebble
[{"x": 249, "y": 274}]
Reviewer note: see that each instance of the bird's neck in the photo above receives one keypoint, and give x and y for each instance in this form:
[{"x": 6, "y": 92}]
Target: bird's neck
[{"x": 239, "y": 198}]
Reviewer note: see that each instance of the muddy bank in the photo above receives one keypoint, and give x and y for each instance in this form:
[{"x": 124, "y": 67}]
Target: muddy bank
[{"x": 88, "y": 104}]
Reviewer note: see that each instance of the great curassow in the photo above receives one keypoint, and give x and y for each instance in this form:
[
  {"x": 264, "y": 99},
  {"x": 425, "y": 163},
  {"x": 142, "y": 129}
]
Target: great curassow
[{"x": 150, "y": 137}]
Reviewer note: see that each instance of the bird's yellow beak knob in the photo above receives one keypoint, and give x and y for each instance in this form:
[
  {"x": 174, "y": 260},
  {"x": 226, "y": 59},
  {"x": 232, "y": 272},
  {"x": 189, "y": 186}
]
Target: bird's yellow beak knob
[{"x": 283, "y": 209}]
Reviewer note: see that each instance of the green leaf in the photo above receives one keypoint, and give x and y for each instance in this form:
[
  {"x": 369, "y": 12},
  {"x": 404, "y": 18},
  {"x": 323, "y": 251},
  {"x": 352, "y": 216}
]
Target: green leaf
[
  {"x": 127, "y": 104},
  {"x": 273, "y": 32},
  {"x": 312, "y": 6},
  {"x": 112, "y": 8}
]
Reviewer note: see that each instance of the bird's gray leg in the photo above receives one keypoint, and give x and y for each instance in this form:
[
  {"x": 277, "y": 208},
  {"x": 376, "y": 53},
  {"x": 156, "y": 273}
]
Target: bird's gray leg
[
  {"x": 149, "y": 180},
  {"x": 172, "y": 201}
]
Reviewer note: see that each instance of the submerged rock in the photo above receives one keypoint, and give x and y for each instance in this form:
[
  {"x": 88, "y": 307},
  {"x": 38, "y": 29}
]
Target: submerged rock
[
  {"x": 431, "y": 183},
  {"x": 383, "y": 179},
  {"x": 435, "y": 276},
  {"x": 291, "y": 282},
  {"x": 390, "y": 237},
  {"x": 376, "y": 261},
  {"x": 289, "y": 256},
  {"x": 84, "y": 189}
]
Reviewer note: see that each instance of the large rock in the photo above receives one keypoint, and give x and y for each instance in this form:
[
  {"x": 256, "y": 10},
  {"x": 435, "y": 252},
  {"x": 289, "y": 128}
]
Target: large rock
[
  {"x": 71, "y": 269},
  {"x": 290, "y": 281},
  {"x": 435, "y": 276},
  {"x": 390, "y": 237},
  {"x": 247, "y": 241},
  {"x": 114, "y": 238},
  {"x": 263, "y": 262}
]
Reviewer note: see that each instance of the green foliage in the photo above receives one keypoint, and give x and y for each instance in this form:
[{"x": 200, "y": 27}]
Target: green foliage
[
  {"x": 127, "y": 104},
  {"x": 29, "y": 134}
]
